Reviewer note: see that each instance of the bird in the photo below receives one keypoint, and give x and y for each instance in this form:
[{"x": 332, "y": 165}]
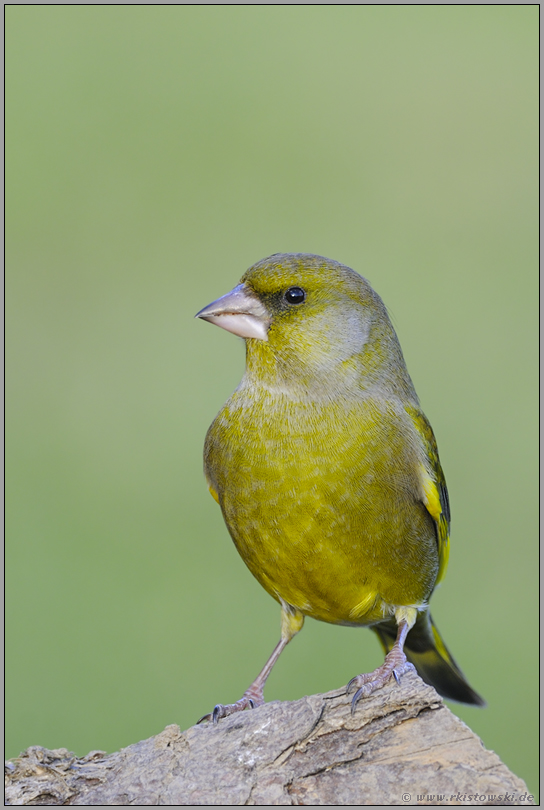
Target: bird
[{"x": 327, "y": 471}]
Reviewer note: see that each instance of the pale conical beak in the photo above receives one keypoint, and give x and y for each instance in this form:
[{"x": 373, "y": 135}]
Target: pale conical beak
[{"x": 239, "y": 312}]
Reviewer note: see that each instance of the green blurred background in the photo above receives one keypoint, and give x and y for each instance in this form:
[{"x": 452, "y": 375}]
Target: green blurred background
[{"x": 153, "y": 154}]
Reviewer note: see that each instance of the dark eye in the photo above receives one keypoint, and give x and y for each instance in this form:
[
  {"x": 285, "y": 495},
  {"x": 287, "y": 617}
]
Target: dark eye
[{"x": 295, "y": 295}]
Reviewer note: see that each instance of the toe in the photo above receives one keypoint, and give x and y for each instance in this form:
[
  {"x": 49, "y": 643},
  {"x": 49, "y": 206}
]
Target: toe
[{"x": 226, "y": 710}]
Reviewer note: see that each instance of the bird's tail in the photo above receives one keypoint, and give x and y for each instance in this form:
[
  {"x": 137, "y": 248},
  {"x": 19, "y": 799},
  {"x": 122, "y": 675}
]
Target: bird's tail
[{"x": 425, "y": 649}]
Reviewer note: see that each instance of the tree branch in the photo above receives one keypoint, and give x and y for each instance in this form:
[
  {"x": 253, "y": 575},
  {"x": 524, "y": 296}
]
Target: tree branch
[{"x": 401, "y": 746}]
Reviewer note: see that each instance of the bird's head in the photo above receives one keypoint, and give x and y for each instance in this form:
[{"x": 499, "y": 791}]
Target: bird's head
[{"x": 309, "y": 322}]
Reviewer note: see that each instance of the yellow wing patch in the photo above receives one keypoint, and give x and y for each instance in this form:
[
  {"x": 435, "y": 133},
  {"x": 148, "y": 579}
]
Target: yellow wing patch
[
  {"x": 434, "y": 507},
  {"x": 213, "y": 493},
  {"x": 435, "y": 494},
  {"x": 432, "y": 498}
]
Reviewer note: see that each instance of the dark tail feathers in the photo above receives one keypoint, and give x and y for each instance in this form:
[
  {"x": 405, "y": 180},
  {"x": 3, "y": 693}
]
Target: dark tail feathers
[{"x": 425, "y": 649}]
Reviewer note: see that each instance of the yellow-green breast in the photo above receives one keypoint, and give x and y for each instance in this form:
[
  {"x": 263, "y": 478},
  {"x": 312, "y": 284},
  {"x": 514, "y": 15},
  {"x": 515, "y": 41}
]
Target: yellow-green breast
[{"x": 323, "y": 501}]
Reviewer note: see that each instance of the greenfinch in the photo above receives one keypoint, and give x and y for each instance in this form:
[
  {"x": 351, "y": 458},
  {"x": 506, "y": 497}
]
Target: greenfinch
[{"x": 327, "y": 471}]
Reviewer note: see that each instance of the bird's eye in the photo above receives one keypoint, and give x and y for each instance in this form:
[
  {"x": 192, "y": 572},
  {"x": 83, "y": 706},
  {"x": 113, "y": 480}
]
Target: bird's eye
[{"x": 295, "y": 295}]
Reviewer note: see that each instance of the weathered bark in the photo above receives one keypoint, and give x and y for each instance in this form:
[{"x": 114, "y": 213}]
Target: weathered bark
[{"x": 401, "y": 746}]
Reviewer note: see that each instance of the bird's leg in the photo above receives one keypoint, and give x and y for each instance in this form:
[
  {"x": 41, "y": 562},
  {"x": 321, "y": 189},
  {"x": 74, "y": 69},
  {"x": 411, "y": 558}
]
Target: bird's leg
[
  {"x": 253, "y": 696},
  {"x": 291, "y": 622},
  {"x": 395, "y": 663}
]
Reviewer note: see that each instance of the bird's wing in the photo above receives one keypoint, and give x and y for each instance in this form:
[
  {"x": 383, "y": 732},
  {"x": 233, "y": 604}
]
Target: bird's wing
[
  {"x": 435, "y": 493},
  {"x": 213, "y": 493}
]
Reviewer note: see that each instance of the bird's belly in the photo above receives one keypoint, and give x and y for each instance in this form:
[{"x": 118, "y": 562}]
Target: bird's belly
[
  {"x": 330, "y": 567},
  {"x": 323, "y": 526}
]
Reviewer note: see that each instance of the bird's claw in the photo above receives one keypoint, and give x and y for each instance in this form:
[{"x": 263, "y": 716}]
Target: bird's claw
[
  {"x": 371, "y": 681},
  {"x": 361, "y": 680},
  {"x": 358, "y": 694},
  {"x": 226, "y": 710}
]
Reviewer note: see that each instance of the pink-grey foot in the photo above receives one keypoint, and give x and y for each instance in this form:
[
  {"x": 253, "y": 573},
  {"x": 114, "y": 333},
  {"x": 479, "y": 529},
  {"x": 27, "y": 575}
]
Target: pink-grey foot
[
  {"x": 254, "y": 696},
  {"x": 251, "y": 698},
  {"x": 395, "y": 665}
]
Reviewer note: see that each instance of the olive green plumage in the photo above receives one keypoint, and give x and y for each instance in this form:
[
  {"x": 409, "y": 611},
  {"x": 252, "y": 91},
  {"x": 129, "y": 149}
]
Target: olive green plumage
[{"x": 324, "y": 466}]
